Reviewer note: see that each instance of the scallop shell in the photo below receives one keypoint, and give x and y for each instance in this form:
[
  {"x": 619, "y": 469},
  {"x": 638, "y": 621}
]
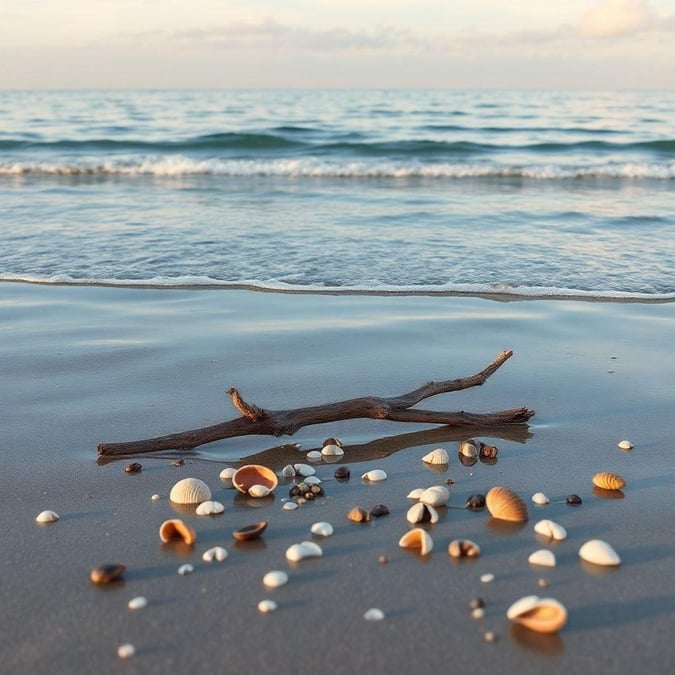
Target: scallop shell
[
  {"x": 322, "y": 529},
  {"x": 332, "y": 450},
  {"x": 608, "y": 480},
  {"x": 190, "y": 491},
  {"x": 551, "y": 529},
  {"x": 463, "y": 548},
  {"x": 374, "y": 476},
  {"x": 250, "y": 531},
  {"x": 437, "y": 495},
  {"x": 210, "y": 508},
  {"x": 422, "y": 513},
  {"x": 47, "y": 517},
  {"x": 540, "y": 498},
  {"x": 599, "y": 552},
  {"x": 544, "y": 615},
  {"x": 177, "y": 529},
  {"x": 305, "y": 549},
  {"x": 417, "y": 538},
  {"x": 304, "y": 470},
  {"x": 542, "y": 557},
  {"x": 359, "y": 515},
  {"x": 437, "y": 456},
  {"x": 275, "y": 579},
  {"x": 217, "y": 553},
  {"x": 250, "y": 475},
  {"x": 469, "y": 448},
  {"x": 505, "y": 504}
]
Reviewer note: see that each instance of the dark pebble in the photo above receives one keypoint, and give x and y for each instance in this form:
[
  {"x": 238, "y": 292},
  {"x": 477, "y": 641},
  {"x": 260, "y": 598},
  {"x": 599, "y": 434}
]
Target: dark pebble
[
  {"x": 476, "y": 603},
  {"x": 134, "y": 467},
  {"x": 342, "y": 473},
  {"x": 105, "y": 574},
  {"x": 575, "y": 500},
  {"x": 379, "y": 511},
  {"x": 475, "y": 502}
]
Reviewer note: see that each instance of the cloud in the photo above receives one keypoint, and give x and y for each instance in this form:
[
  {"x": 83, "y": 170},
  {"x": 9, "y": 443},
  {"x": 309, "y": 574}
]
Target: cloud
[{"x": 616, "y": 18}]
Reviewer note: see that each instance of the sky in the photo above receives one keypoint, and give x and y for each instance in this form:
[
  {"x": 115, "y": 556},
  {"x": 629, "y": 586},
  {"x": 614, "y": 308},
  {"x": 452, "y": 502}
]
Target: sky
[{"x": 577, "y": 44}]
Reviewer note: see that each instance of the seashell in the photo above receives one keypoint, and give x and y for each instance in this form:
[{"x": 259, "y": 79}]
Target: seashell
[
  {"x": 155, "y": 498},
  {"x": 312, "y": 480},
  {"x": 475, "y": 502},
  {"x": 215, "y": 554},
  {"x": 379, "y": 510},
  {"x": 608, "y": 480},
  {"x": 505, "y": 504},
  {"x": 266, "y": 606},
  {"x": 422, "y": 513},
  {"x": 550, "y": 529},
  {"x": 210, "y": 508},
  {"x": 374, "y": 476},
  {"x": 574, "y": 500},
  {"x": 251, "y": 475},
  {"x": 544, "y": 615},
  {"x": 126, "y": 651},
  {"x": 105, "y": 574},
  {"x": 332, "y": 441},
  {"x": 417, "y": 538},
  {"x": 275, "y": 579},
  {"x": 305, "y": 549},
  {"x": 227, "y": 473},
  {"x": 289, "y": 506},
  {"x": 47, "y": 517},
  {"x": 288, "y": 471},
  {"x": 177, "y": 529},
  {"x": 437, "y": 495},
  {"x": 322, "y": 529},
  {"x": 374, "y": 614},
  {"x": 487, "y": 578},
  {"x": 599, "y": 552},
  {"x": 359, "y": 515},
  {"x": 466, "y": 461},
  {"x": 542, "y": 557},
  {"x": 415, "y": 494},
  {"x": 540, "y": 498},
  {"x": 178, "y": 462},
  {"x": 139, "y": 602},
  {"x": 250, "y": 531},
  {"x": 314, "y": 456},
  {"x": 478, "y": 613},
  {"x": 342, "y": 473},
  {"x": 190, "y": 491},
  {"x": 488, "y": 451},
  {"x": 332, "y": 450},
  {"x": 463, "y": 548},
  {"x": 259, "y": 491},
  {"x": 185, "y": 569},
  {"x": 469, "y": 448},
  {"x": 437, "y": 456},
  {"x": 304, "y": 470},
  {"x": 134, "y": 467},
  {"x": 625, "y": 445}
]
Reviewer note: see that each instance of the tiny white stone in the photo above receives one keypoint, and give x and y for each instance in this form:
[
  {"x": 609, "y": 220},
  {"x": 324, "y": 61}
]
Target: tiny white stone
[
  {"x": 266, "y": 606},
  {"x": 47, "y": 517},
  {"x": 275, "y": 579},
  {"x": 155, "y": 497},
  {"x": 217, "y": 554},
  {"x": 289, "y": 506},
  {"x": 374, "y": 614},
  {"x": 210, "y": 508},
  {"x": 185, "y": 569},
  {"x": 314, "y": 456},
  {"x": 540, "y": 498},
  {"x": 138, "y": 602},
  {"x": 126, "y": 651},
  {"x": 542, "y": 557},
  {"x": 304, "y": 470},
  {"x": 312, "y": 480},
  {"x": 487, "y": 578},
  {"x": 477, "y": 613},
  {"x": 374, "y": 475},
  {"x": 625, "y": 445},
  {"x": 322, "y": 529}
]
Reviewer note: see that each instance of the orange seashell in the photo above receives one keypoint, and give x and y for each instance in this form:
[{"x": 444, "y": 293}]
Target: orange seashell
[
  {"x": 544, "y": 615},
  {"x": 505, "y": 504},
  {"x": 608, "y": 480},
  {"x": 250, "y": 531},
  {"x": 177, "y": 529},
  {"x": 249, "y": 475},
  {"x": 417, "y": 538}
]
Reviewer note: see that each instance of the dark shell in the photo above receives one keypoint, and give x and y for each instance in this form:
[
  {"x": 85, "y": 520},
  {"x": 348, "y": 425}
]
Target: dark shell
[
  {"x": 575, "y": 500},
  {"x": 134, "y": 467},
  {"x": 306, "y": 490},
  {"x": 476, "y": 603},
  {"x": 475, "y": 502},
  {"x": 488, "y": 451},
  {"x": 379, "y": 511},
  {"x": 342, "y": 473},
  {"x": 250, "y": 531},
  {"x": 107, "y": 573},
  {"x": 332, "y": 441}
]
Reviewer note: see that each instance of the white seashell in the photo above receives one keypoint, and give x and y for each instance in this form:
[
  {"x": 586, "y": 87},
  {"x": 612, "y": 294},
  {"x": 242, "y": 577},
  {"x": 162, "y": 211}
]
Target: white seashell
[
  {"x": 477, "y": 613},
  {"x": 312, "y": 480},
  {"x": 304, "y": 470},
  {"x": 185, "y": 569},
  {"x": 138, "y": 603},
  {"x": 332, "y": 450},
  {"x": 437, "y": 456},
  {"x": 275, "y": 579},
  {"x": 126, "y": 651},
  {"x": 415, "y": 494},
  {"x": 227, "y": 473},
  {"x": 540, "y": 498},
  {"x": 599, "y": 552},
  {"x": 289, "y": 506},
  {"x": 550, "y": 529},
  {"x": 374, "y": 614},
  {"x": 47, "y": 517},
  {"x": 544, "y": 615},
  {"x": 436, "y": 495},
  {"x": 305, "y": 549},
  {"x": 190, "y": 491},
  {"x": 155, "y": 498},
  {"x": 322, "y": 529},
  {"x": 487, "y": 578},
  {"x": 417, "y": 538},
  {"x": 215, "y": 554},
  {"x": 266, "y": 606},
  {"x": 210, "y": 508},
  {"x": 314, "y": 456},
  {"x": 258, "y": 491},
  {"x": 626, "y": 445},
  {"x": 542, "y": 557},
  {"x": 469, "y": 448},
  {"x": 374, "y": 476},
  {"x": 422, "y": 513},
  {"x": 288, "y": 471}
]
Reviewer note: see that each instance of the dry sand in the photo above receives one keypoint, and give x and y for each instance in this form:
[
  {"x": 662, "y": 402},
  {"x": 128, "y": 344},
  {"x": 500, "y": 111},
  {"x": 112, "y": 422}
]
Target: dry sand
[{"x": 83, "y": 365}]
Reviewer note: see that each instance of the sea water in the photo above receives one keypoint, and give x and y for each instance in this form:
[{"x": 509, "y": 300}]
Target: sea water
[{"x": 532, "y": 193}]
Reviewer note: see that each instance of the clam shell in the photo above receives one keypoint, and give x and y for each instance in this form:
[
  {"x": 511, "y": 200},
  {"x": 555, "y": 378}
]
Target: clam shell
[
  {"x": 227, "y": 473},
  {"x": 217, "y": 553},
  {"x": 505, "y": 504},
  {"x": 312, "y": 480},
  {"x": 540, "y": 498},
  {"x": 463, "y": 548},
  {"x": 418, "y": 539},
  {"x": 47, "y": 517},
  {"x": 314, "y": 456},
  {"x": 304, "y": 470},
  {"x": 275, "y": 579},
  {"x": 374, "y": 476},
  {"x": 437, "y": 456},
  {"x": 415, "y": 494},
  {"x": 210, "y": 508},
  {"x": 488, "y": 451},
  {"x": 305, "y": 549},
  {"x": 259, "y": 491},
  {"x": 190, "y": 491},
  {"x": 186, "y": 569},
  {"x": 288, "y": 471},
  {"x": 551, "y": 529},
  {"x": 373, "y": 614},
  {"x": 469, "y": 448},
  {"x": 359, "y": 515},
  {"x": 608, "y": 480},
  {"x": 544, "y": 615},
  {"x": 322, "y": 529},
  {"x": 177, "y": 529},
  {"x": 107, "y": 573},
  {"x": 250, "y": 531},
  {"x": 599, "y": 552},
  {"x": 625, "y": 445},
  {"x": 422, "y": 513},
  {"x": 289, "y": 506},
  {"x": 332, "y": 450},
  {"x": 542, "y": 557},
  {"x": 247, "y": 476},
  {"x": 437, "y": 495}
]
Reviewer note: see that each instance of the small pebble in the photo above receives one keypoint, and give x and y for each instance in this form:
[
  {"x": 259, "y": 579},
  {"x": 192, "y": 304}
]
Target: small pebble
[
  {"x": 574, "y": 500},
  {"x": 266, "y": 606},
  {"x": 626, "y": 445},
  {"x": 314, "y": 456},
  {"x": 543, "y": 583},
  {"x": 126, "y": 651},
  {"x": 540, "y": 498},
  {"x": 475, "y": 502},
  {"x": 105, "y": 574},
  {"x": 477, "y": 613},
  {"x": 374, "y": 614},
  {"x": 490, "y": 637},
  {"x": 379, "y": 511},
  {"x": 487, "y": 578},
  {"x": 134, "y": 467},
  {"x": 342, "y": 473},
  {"x": 289, "y": 506},
  {"x": 476, "y": 603},
  {"x": 178, "y": 462},
  {"x": 383, "y": 560},
  {"x": 155, "y": 498},
  {"x": 185, "y": 569},
  {"x": 275, "y": 579},
  {"x": 138, "y": 603}
]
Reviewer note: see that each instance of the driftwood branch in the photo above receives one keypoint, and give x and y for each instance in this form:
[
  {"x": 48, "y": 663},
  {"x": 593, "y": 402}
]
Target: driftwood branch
[{"x": 259, "y": 421}]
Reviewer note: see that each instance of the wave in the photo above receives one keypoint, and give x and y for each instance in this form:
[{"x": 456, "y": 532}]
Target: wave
[{"x": 495, "y": 291}]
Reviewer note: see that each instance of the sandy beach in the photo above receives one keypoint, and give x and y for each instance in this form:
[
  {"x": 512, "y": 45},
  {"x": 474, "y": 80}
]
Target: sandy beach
[{"x": 84, "y": 365}]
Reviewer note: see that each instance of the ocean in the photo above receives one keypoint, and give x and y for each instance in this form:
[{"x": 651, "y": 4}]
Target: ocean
[{"x": 519, "y": 193}]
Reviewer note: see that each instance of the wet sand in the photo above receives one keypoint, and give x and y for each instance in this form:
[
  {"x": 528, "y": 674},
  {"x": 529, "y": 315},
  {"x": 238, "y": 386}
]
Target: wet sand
[{"x": 84, "y": 365}]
